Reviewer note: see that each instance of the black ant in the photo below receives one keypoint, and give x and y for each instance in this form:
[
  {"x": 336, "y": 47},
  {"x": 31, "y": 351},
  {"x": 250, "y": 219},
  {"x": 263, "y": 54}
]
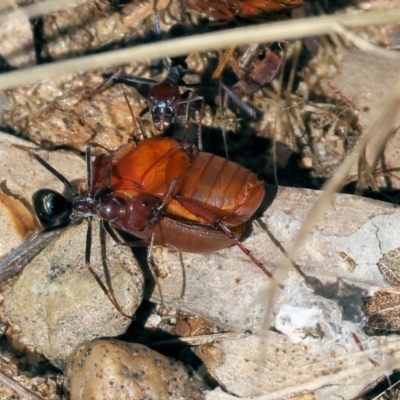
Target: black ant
[{"x": 164, "y": 98}]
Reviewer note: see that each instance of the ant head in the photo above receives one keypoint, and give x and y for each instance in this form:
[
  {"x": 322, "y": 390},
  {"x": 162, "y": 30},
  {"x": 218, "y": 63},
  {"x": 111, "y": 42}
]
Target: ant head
[
  {"x": 162, "y": 115},
  {"x": 51, "y": 208},
  {"x": 163, "y": 101}
]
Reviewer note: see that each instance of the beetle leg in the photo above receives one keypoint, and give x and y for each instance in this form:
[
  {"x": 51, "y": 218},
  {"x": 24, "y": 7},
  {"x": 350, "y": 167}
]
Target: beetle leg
[
  {"x": 215, "y": 221},
  {"x": 246, "y": 251}
]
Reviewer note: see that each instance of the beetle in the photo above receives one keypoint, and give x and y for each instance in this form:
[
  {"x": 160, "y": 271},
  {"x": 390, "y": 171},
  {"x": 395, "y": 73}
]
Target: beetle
[
  {"x": 163, "y": 191},
  {"x": 199, "y": 192}
]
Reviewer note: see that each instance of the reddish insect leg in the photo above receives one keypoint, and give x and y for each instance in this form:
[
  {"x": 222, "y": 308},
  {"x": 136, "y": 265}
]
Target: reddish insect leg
[{"x": 215, "y": 221}]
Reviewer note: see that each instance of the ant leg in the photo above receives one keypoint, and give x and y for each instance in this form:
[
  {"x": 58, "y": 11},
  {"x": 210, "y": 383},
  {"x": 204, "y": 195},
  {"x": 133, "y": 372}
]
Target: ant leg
[
  {"x": 139, "y": 119},
  {"x": 89, "y": 170},
  {"x": 120, "y": 78},
  {"x": 110, "y": 296},
  {"x": 135, "y": 136},
  {"x": 94, "y": 144},
  {"x": 126, "y": 79},
  {"x": 239, "y": 102},
  {"x": 110, "y": 230},
  {"x": 141, "y": 243},
  {"x": 107, "y": 83},
  {"x": 190, "y": 99}
]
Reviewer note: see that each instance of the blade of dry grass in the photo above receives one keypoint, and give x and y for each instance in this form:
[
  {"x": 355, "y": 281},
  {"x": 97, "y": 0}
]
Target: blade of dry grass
[
  {"x": 278, "y": 31},
  {"x": 37, "y": 9},
  {"x": 366, "y": 46}
]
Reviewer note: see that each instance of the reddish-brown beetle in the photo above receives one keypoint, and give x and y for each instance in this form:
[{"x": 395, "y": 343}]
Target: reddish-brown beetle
[
  {"x": 201, "y": 198},
  {"x": 161, "y": 190}
]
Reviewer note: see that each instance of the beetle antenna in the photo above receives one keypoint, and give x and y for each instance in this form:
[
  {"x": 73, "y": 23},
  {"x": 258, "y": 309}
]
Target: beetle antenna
[{"x": 57, "y": 174}]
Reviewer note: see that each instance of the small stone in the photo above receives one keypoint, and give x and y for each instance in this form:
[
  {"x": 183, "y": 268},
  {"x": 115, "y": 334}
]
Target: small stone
[
  {"x": 57, "y": 302},
  {"x": 112, "y": 369}
]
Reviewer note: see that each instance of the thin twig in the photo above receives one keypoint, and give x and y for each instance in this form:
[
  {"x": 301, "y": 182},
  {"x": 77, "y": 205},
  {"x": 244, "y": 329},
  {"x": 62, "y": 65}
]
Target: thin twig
[
  {"x": 279, "y": 31},
  {"x": 366, "y": 46},
  {"x": 200, "y": 339},
  {"x": 38, "y": 9}
]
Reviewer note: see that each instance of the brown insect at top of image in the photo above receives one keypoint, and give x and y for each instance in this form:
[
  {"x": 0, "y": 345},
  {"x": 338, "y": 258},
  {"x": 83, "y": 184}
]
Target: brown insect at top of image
[
  {"x": 254, "y": 70},
  {"x": 229, "y": 9}
]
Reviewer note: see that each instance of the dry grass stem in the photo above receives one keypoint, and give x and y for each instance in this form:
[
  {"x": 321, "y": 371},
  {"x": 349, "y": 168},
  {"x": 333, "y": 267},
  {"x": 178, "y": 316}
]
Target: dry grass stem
[
  {"x": 38, "y": 9},
  {"x": 270, "y": 32},
  {"x": 364, "y": 45}
]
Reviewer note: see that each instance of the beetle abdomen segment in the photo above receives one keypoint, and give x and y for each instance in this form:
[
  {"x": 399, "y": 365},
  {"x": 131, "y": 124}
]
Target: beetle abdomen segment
[{"x": 223, "y": 187}]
